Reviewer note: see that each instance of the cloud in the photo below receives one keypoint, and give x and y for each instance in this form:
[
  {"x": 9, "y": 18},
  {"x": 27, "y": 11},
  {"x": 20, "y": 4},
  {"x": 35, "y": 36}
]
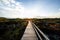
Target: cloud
[
  {"x": 11, "y": 8},
  {"x": 14, "y": 9}
]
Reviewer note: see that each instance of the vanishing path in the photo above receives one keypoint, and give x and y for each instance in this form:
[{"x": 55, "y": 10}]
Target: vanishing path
[
  {"x": 29, "y": 33},
  {"x": 32, "y": 32}
]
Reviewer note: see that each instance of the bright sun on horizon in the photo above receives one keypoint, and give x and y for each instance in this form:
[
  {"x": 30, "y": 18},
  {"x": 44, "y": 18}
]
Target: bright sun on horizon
[{"x": 30, "y": 8}]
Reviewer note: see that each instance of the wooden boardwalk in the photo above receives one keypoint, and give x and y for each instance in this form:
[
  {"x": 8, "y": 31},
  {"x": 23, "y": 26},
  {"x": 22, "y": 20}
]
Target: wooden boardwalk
[{"x": 29, "y": 33}]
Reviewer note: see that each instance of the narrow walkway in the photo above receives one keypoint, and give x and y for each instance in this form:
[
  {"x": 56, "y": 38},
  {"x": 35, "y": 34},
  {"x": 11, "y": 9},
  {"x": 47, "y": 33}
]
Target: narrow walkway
[{"x": 29, "y": 33}]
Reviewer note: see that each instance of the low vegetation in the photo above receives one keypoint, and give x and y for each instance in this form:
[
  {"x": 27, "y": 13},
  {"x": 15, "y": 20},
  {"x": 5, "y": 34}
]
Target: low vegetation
[
  {"x": 12, "y": 29},
  {"x": 50, "y": 26}
]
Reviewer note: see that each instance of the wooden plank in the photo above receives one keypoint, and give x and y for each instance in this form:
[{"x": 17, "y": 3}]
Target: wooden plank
[{"x": 29, "y": 33}]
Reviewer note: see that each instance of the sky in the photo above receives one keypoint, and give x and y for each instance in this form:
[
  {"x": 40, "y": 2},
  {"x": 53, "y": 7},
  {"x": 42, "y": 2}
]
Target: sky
[{"x": 30, "y": 8}]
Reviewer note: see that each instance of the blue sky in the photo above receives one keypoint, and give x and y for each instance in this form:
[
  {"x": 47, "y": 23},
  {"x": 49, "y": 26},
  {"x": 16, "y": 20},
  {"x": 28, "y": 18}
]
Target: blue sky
[{"x": 30, "y": 8}]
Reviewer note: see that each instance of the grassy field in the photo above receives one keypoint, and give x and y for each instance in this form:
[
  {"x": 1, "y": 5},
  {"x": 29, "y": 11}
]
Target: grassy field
[
  {"x": 50, "y": 26},
  {"x": 12, "y": 29}
]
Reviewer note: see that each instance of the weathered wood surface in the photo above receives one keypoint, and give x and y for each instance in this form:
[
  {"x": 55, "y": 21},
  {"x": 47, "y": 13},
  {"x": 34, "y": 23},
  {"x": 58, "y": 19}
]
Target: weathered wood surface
[{"x": 29, "y": 33}]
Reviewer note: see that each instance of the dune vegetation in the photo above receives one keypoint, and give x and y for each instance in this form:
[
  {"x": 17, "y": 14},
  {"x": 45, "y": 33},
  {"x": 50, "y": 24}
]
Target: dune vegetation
[
  {"x": 12, "y": 29},
  {"x": 50, "y": 26}
]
